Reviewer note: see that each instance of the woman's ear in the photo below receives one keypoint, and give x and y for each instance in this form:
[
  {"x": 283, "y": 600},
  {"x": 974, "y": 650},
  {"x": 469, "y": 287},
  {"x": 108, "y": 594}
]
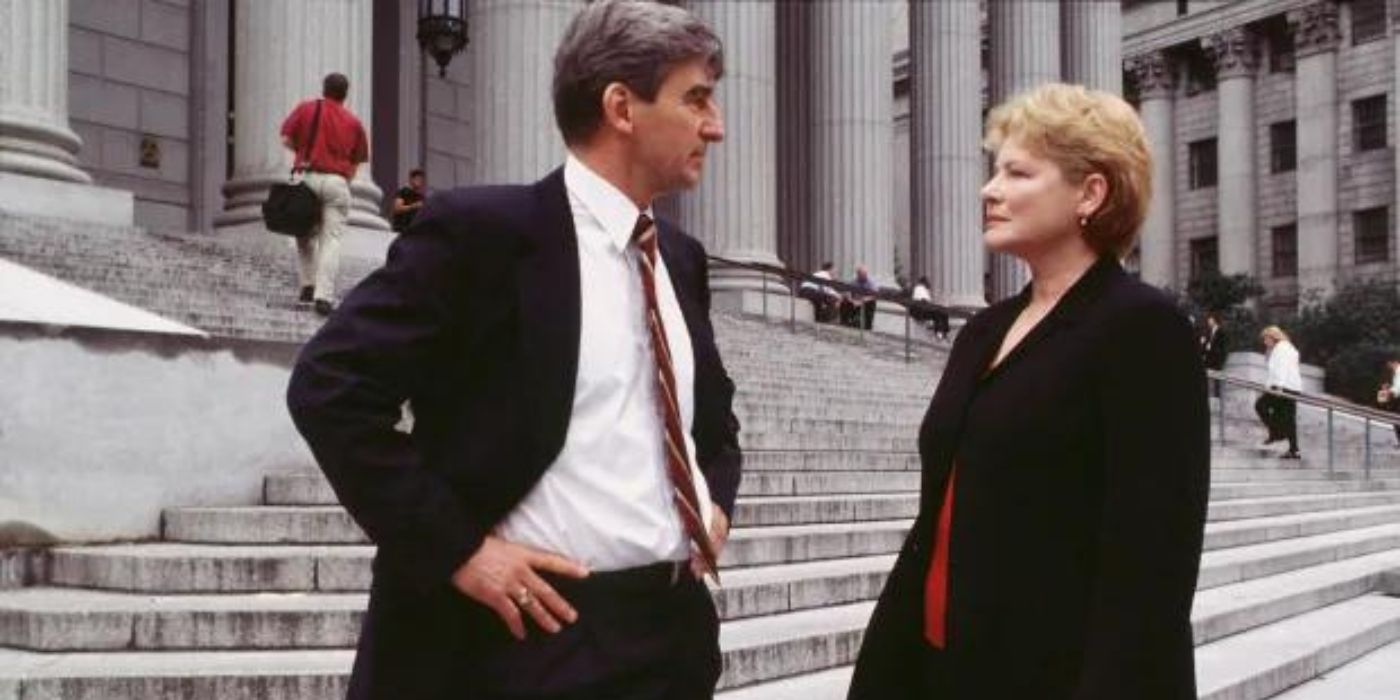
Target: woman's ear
[
  {"x": 617, "y": 107},
  {"x": 1092, "y": 194}
]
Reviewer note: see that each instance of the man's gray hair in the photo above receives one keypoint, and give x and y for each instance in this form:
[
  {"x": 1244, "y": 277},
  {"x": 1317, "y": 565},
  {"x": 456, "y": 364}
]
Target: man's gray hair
[{"x": 633, "y": 42}]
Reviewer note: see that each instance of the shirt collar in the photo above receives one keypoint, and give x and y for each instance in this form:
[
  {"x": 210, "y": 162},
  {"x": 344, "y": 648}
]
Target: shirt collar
[{"x": 615, "y": 212}]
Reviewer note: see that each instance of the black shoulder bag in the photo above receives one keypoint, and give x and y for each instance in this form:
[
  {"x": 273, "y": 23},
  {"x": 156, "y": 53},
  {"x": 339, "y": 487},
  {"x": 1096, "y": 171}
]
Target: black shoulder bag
[{"x": 292, "y": 208}]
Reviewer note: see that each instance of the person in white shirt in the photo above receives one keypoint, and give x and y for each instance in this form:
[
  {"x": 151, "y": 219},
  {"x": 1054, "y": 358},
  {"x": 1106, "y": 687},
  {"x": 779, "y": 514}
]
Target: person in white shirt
[
  {"x": 824, "y": 299},
  {"x": 1280, "y": 414},
  {"x": 937, "y": 320},
  {"x": 1389, "y": 394}
]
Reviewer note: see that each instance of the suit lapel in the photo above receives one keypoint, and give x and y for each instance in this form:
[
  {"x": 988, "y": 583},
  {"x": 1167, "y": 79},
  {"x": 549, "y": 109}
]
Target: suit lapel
[{"x": 550, "y": 313}]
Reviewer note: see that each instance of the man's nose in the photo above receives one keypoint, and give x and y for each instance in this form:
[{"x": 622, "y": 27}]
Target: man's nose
[{"x": 712, "y": 130}]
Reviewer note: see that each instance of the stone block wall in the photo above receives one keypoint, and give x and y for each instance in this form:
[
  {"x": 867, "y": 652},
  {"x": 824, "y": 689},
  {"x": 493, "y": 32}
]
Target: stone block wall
[{"x": 129, "y": 82}]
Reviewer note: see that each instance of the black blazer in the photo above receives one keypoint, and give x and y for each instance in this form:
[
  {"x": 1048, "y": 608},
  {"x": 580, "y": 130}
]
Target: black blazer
[
  {"x": 1079, "y": 512},
  {"x": 1215, "y": 350},
  {"x": 474, "y": 319}
]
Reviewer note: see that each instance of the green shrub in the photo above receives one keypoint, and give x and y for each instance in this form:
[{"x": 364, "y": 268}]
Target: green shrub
[{"x": 1356, "y": 372}]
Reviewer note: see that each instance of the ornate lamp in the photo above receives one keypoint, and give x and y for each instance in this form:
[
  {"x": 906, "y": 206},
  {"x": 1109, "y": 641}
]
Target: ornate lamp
[{"x": 442, "y": 29}]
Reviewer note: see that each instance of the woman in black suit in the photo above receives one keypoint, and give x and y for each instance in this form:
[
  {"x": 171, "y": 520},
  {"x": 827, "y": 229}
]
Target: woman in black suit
[{"x": 1066, "y": 452}]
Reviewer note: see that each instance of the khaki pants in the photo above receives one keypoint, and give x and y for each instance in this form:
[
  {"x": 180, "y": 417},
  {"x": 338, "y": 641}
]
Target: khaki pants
[{"x": 318, "y": 255}]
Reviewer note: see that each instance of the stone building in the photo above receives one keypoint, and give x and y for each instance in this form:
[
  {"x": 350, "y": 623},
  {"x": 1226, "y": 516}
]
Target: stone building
[{"x": 173, "y": 105}]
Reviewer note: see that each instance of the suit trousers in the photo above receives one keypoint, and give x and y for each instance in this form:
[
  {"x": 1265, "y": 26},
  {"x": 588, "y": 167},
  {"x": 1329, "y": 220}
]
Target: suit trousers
[
  {"x": 318, "y": 255},
  {"x": 1280, "y": 416},
  {"x": 643, "y": 634}
]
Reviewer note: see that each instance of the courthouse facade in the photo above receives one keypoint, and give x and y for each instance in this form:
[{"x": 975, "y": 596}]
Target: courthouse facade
[{"x": 853, "y": 126}]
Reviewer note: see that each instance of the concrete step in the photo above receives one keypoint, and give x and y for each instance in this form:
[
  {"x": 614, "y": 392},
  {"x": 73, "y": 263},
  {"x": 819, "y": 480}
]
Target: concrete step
[
  {"x": 751, "y": 441},
  {"x": 1263, "y": 662},
  {"x": 1270, "y": 506},
  {"x": 1225, "y": 611},
  {"x": 310, "y": 488},
  {"x": 332, "y": 525},
  {"x": 765, "y": 648},
  {"x": 173, "y": 675},
  {"x": 830, "y": 684},
  {"x": 1370, "y": 677},
  {"x": 827, "y": 461},
  {"x": 1239, "y": 533},
  {"x": 72, "y": 619},
  {"x": 1223, "y": 567},
  {"x": 1303, "y": 486},
  {"x": 191, "y": 568}
]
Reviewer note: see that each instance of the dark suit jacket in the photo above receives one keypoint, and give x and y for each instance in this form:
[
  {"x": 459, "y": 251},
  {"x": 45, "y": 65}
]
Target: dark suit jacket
[
  {"x": 1217, "y": 349},
  {"x": 475, "y": 319},
  {"x": 1079, "y": 512}
]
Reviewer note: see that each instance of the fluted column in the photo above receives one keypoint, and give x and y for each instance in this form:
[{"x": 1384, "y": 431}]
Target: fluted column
[
  {"x": 511, "y": 55},
  {"x": 1093, "y": 44},
  {"x": 282, "y": 51},
  {"x": 1025, "y": 38},
  {"x": 1236, "y": 59},
  {"x": 1316, "y": 35},
  {"x": 35, "y": 138},
  {"x": 734, "y": 209},
  {"x": 794, "y": 147},
  {"x": 852, "y": 137},
  {"x": 1156, "y": 83},
  {"x": 945, "y": 41}
]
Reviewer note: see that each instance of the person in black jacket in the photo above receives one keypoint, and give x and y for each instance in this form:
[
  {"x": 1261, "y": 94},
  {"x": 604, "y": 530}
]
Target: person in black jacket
[
  {"x": 1215, "y": 343},
  {"x": 1065, "y": 452},
  {"x": 574, "y": 459}
]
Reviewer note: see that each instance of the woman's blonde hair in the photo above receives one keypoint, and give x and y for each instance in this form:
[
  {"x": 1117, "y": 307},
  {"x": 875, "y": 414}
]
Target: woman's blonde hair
[
  {"x": 1275, "y": 334},
  {"x": 1085, "y": 131}
]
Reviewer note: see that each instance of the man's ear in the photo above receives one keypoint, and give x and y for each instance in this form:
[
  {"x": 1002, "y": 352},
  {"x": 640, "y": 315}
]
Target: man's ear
[{"x": 617, "y": 107}]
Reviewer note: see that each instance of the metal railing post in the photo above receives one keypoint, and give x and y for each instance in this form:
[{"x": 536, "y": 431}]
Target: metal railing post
[
  {"x": 1220, "y": 413},
  {"x": 1330, "y": 449},
  {"x": 1367, "y": 437},
  {"x": 906, "y": 336},
  {"x": 792, "y": 310}
]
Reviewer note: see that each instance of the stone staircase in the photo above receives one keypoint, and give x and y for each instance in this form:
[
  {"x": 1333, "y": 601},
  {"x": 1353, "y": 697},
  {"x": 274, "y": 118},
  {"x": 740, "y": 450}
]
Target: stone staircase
[{"x": 265, "y": 600}]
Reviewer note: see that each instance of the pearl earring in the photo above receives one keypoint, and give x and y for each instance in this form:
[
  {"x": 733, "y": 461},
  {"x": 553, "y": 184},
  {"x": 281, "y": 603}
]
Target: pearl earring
[{"x": 1083, "y": 222}]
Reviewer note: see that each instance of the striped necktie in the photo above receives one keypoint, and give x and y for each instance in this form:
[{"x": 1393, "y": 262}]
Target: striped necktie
[{"x": 683, "y": 491}]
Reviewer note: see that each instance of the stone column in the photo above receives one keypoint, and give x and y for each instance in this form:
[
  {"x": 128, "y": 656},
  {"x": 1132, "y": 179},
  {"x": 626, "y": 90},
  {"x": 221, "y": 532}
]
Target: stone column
[
  {"x": 1157, "y": 244},
  {"x": 282, "y": 50},
  {"x": 947, "y": 158},
  {"x": 1025, "y": 38},
  {"x": 734, "y": 209},
  {"x": 794, "y": 148},
  {"x": 1093, "y": 44},
  {"x": 511, "y": 58},
  {"x": 35, "y": 138},
  {"x": 852, "y": 137},
  {"x": 1316, "y": 35},
  {"x": 1236, "y": 59}
]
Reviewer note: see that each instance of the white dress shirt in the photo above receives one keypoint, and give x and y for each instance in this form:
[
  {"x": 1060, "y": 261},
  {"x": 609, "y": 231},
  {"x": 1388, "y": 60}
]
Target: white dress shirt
[
  {"x": 606, "y": 500},
  {"x": 921, "y": 293},
  {"x": 1284, "y": 371}
]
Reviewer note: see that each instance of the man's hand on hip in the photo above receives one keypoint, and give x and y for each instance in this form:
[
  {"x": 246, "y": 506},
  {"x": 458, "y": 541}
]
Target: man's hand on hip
[
  {"x": 502, "y": 576},
  {"x": 719, "y": 535}
]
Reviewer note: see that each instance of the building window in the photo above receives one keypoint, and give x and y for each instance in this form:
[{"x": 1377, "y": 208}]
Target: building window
[
  {"x": 1368, "y": 123},
  {"x": 1182, "y": 7},
  {"x": 1372, "y": 229},
  {"x": 1202, "y": 164},
  {"x": 1205, "y": 256},
  {"x": 1282, "y": 58},
  {"x": 1367, "y": 20},
  {"x": 1283, "y": 147},
  {"x": 1285, "y": 240}
]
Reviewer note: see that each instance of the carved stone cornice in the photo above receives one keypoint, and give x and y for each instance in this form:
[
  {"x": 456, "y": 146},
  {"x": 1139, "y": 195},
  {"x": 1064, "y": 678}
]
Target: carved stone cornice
[
  {"x": 1316, "y": 28},
  {"x": 1233, "y": 51},
  {"x": 1154, "y": 74}
]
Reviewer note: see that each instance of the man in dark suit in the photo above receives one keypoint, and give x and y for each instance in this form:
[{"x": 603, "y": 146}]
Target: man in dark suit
[
  {"x": 544, "y": 531},
  {"x": 1215, "y": 344}
]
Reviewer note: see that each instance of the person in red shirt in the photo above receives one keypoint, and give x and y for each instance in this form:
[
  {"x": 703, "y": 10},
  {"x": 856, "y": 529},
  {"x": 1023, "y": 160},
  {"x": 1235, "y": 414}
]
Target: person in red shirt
[{"x": 329, "y": 145}]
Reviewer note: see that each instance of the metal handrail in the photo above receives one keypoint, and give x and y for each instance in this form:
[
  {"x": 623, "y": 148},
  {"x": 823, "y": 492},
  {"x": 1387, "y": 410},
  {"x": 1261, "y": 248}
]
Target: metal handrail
[
  {"x": 1331, "y": 404},
  {"x": 796, "y": 279}
]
